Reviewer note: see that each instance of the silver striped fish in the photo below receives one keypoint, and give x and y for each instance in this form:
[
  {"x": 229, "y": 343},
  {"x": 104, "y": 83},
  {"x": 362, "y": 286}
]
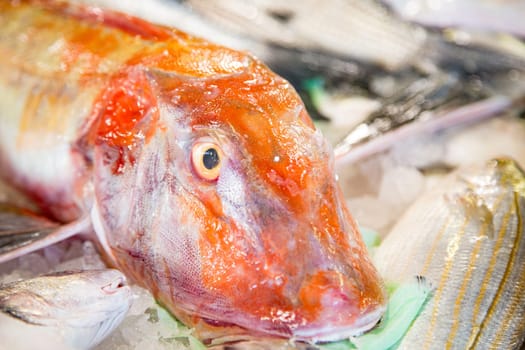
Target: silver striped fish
[{"x": 467, "y": 238}]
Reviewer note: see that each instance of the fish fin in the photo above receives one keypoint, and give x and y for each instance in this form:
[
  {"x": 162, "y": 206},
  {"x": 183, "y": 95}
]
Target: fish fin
[{"x": 22, "y": 231}]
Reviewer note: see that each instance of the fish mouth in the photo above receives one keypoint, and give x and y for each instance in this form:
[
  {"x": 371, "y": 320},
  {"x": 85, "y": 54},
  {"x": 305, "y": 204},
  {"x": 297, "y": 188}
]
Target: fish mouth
[
  {"x": 115, "y": 286},
  {"x": 330, "y": 333}
]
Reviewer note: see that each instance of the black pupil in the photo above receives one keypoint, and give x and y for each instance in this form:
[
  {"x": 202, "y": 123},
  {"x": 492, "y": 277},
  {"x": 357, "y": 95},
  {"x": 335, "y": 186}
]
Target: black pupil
[{"x": 210, "y": 158}]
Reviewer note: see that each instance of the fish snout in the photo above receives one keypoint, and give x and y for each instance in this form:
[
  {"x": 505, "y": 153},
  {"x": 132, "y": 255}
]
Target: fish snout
[
  {"x": 335, "y": 308},
  {"x": 115, "y": 283}
]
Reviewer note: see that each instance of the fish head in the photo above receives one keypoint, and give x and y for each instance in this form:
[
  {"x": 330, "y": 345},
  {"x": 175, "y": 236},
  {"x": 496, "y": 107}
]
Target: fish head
[
  {"x": 226, "y": 206},
  {"x": 85, "y": 306}
]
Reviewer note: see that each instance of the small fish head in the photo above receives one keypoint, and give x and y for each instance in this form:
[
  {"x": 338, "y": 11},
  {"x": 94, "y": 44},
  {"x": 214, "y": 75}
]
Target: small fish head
[
  {"x": 96, "y": 294},
  {"x": 76, "y": 301},
  {"x": 230, "y": 212}
]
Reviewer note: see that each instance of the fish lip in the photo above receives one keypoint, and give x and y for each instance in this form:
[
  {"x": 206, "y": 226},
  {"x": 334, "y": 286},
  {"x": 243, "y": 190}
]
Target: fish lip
[
  {"x": 330, "y": 333},
  {"x": 118, "y": 284}
]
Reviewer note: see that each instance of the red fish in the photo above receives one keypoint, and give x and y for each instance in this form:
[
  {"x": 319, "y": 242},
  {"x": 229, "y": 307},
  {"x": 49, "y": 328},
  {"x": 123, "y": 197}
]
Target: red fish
[{"x": 197, "y": 167}]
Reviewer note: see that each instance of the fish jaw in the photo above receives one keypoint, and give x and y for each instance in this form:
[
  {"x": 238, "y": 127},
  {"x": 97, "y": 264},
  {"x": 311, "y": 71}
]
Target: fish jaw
[
  {"x": 343, "y": 314},
  {"x": 331, "y": 333},
  {"x": 268, "y": 247}
]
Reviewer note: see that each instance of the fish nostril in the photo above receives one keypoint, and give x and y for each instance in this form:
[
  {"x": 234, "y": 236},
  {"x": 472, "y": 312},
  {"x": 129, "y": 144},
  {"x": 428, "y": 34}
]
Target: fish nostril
[{"x": 120, "y": 284}]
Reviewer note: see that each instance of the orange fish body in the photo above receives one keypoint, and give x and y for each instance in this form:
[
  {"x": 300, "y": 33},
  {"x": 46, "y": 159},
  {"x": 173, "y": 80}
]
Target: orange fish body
[{"x": 199, "y": 168}]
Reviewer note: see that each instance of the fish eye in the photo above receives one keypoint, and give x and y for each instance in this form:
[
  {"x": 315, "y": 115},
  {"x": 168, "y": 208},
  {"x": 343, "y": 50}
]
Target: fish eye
[{"x": 206, "y": 158}]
